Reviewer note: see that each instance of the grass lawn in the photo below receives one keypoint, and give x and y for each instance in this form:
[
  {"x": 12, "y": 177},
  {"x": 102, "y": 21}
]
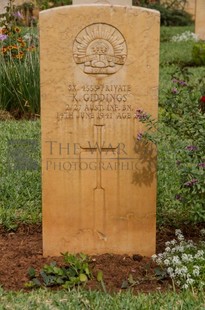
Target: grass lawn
[
  {"x": 20, "y": 200},
  {"x": 79, "y": 299}
]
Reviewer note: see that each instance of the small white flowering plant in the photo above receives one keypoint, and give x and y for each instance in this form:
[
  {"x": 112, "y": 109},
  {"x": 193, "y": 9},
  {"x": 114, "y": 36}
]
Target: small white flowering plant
[
  {"x": 185, "y": 36},
  {"x": 183, "y": 261}
]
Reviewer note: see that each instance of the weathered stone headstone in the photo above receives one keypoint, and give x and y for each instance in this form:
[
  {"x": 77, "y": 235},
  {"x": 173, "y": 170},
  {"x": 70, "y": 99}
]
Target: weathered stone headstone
[
  {"x": 200, "y": 19},
  {"x": 99, "y": 64}
]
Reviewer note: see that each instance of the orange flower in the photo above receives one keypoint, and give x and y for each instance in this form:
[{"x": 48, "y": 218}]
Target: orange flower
[
  {"x": 30, "y": 48},
  {"x": 23, "y": 44},
  {"x": 4, "y": 49},
  {"x": 20, "y": 55},
  {"x": 4, "y": 31},
  {"x": 19, "y": 40},
  {"x": 17, "y": 29}
]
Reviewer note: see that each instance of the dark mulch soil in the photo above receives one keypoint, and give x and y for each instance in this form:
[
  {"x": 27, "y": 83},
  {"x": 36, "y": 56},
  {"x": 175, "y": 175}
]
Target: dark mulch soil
[{"x": 22, "y": 249}]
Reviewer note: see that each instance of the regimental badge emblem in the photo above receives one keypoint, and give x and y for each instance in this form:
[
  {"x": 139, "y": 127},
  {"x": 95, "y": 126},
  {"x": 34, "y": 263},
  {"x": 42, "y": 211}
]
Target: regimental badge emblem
[{"x": 100, "y": 49}]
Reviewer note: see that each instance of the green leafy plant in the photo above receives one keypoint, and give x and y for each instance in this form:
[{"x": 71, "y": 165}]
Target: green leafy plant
[
  {"x": 101, "y": 281},
  {"x": 180, "y": 136},
  {"x": 20, "y": 86},
  {"x": 75, "y": 272},
  {"x": 198, "y": 54},
  {"x": 183, "y": 261},
  {"x": 19, "y": 66}
]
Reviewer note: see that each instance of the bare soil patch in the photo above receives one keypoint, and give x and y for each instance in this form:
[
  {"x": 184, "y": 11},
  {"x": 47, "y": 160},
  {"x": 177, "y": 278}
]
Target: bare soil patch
[{"x": 22, "y": 249}]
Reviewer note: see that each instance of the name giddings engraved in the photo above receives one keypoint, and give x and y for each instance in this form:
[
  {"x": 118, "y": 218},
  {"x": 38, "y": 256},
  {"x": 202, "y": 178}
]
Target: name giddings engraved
[{"x": 102, "y": 101}]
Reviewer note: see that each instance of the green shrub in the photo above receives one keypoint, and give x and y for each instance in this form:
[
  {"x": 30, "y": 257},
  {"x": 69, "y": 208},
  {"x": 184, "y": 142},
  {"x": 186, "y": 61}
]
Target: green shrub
[
  {"x": 172, "y": 13},
  {"x": 19, "y": 85},
  {"x": 198, "y": 54},
  {"x": 19, "y": 67},
  {"x": 172, "y": 16},
  {"x": 179, "y": 135},
  {"x": 175, "y": 4}
]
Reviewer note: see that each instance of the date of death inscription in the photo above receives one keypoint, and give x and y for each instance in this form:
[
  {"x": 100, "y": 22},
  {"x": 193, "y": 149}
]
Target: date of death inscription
[{"x": 97, "y": 102}]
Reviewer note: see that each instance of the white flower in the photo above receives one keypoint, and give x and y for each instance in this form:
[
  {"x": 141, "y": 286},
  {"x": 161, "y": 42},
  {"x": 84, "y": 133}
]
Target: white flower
[
  {"x": 167, "y": 249},
  {"x": 167, "y": 243},
  {"x": 199, "y": 254},
  {"x": 178, "y": 232},
  {"x": 178, "y": 282},
  {"x": 190, "y": 245},
  {"x": 196, "y": 271},
  {"x": 166, "y": 262},
  {"x": 154, "y": 257},
  {"x": 179, "y": 248},
  {"x": 202, "y": 232},
  {"x": 187, "y": 257},
  {"x": 181, "y": 271},
  {"x": 190, "y": 281},
  {"x": 190, "y": 242},
  {"x": 170, "y": 270},
  {"x": 172, "y": 275},
  {"x": 173, "y": 242},
  {"x": 188, "y": 276},
  {"x": 185, "y": 286},
  {"x": 176, "y": 260},
  {"x": 190, "y": 257},
  {"x": 159, "y": 261},
  {"x": 180, "y": 237},
  {"x": 185, "y": 36}
]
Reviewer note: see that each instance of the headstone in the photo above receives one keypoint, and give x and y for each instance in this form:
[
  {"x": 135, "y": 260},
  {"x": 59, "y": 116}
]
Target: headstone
[
  {"x": 99, "y": 64},
  {"x": 200, "y": 19}
]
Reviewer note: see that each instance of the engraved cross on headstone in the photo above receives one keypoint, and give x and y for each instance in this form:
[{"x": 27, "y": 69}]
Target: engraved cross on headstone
[
  {"x": 99, "y": 149},
  {"x": 99, "y": 207}
]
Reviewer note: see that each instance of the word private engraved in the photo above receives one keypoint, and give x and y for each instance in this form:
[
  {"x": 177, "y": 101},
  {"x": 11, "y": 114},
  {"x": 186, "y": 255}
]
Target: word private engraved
[{"x": 100, "y": 49}]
